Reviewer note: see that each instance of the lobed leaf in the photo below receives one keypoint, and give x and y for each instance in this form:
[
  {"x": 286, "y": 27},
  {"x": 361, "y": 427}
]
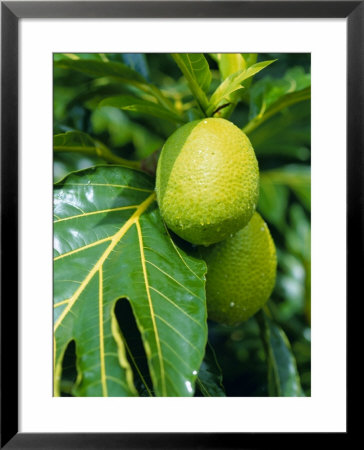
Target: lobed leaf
[
  {"x": 134, "y": 348},
  {"x": 110, "y": 243}
]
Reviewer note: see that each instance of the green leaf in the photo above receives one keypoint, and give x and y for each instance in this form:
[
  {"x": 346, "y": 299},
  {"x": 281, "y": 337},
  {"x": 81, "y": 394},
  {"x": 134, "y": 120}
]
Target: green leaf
[
  {"x": 196, "y": 70},
  {"x": 267, "y": 91},
  {"x": 287, "y": 134},
  {"x": 76, "y": 56},
  {"x": 100, "y": 68},
  {"x": 250, "y": 58},
  {"x": 115, "y": 70},
  {"x": 66, "y": 162},
  {"x": 209, "y": 378},
  {"x": 270, "y": 96},
  {"x": 230, "y": 63},
  {"x": 283, "y": 378},
  {"x": 285, "y": 101},
  {"x": 96, "y": 91},
  {"x": 138, "y": 62},
  {"x": 298, "y": 236},
  {"x": 109, "y": 243},
  {"x": 114, "y": 123},
  {"x": 296, "y": 177},
  {"x": 75, "y": 141},
  {"x": 122, "y": 131},
  {"x": 196, "y": 65},
  {"x": 233, "y": 83},
  {"x": 273, "y": 201},
  {"x": 130, "y": 103}
]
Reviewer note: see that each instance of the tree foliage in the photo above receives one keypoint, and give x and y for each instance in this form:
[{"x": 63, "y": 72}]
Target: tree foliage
[{"x": 130, "y": 313}]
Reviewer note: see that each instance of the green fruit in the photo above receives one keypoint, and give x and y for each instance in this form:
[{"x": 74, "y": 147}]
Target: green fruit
[
  {"x": 241, "y": 273},
  {"x": 207, "y": 181}
]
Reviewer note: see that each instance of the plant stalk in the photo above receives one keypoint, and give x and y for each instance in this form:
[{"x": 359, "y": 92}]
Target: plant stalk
[{"x": 103, "y": 153}]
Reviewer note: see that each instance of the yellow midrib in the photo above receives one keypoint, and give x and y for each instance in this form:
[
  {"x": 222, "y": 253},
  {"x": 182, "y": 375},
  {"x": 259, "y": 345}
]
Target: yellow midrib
[{"x": 114, "y": 240}]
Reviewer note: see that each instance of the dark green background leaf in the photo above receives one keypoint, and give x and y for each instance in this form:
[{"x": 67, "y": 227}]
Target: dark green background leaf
[
  {"x": 286, "y": 135},
  {"x": 130, "y": 103},
  {"x": 114, "y": 70},
  {"x": 74, "y": 141},
  {"x": 209, "y": 378},
  {"x": 274, "y": 190},
  {"x": 97, "y": 68},
  {"x": 268, "y": 91},
  {"x": 283, "y": 378},
  {"x": 138, "y": 62}
]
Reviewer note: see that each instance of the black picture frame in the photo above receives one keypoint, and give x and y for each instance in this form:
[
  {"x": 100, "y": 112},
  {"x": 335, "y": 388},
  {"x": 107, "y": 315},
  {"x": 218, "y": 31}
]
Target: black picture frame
[{"x": 11, "y": 12}]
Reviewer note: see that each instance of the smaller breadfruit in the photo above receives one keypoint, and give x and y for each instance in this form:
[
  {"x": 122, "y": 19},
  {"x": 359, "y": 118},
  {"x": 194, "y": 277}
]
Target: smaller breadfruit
[{"x": 241, "y": 273}]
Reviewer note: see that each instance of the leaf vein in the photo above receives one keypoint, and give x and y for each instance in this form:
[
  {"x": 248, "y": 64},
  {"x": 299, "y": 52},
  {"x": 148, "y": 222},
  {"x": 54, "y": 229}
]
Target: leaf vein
[
  {"x": 95, "y": 212},
  {"x": 175, "y": 305},
  {"x": 177, "y": 332},
  {"x": 169, "y": 276}
]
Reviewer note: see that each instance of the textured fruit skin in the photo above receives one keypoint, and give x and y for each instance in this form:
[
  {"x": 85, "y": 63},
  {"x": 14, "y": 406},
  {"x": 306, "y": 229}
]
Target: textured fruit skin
[
  {"x": 241, "y": 273},
  {"x": 207, "y": 181}
]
